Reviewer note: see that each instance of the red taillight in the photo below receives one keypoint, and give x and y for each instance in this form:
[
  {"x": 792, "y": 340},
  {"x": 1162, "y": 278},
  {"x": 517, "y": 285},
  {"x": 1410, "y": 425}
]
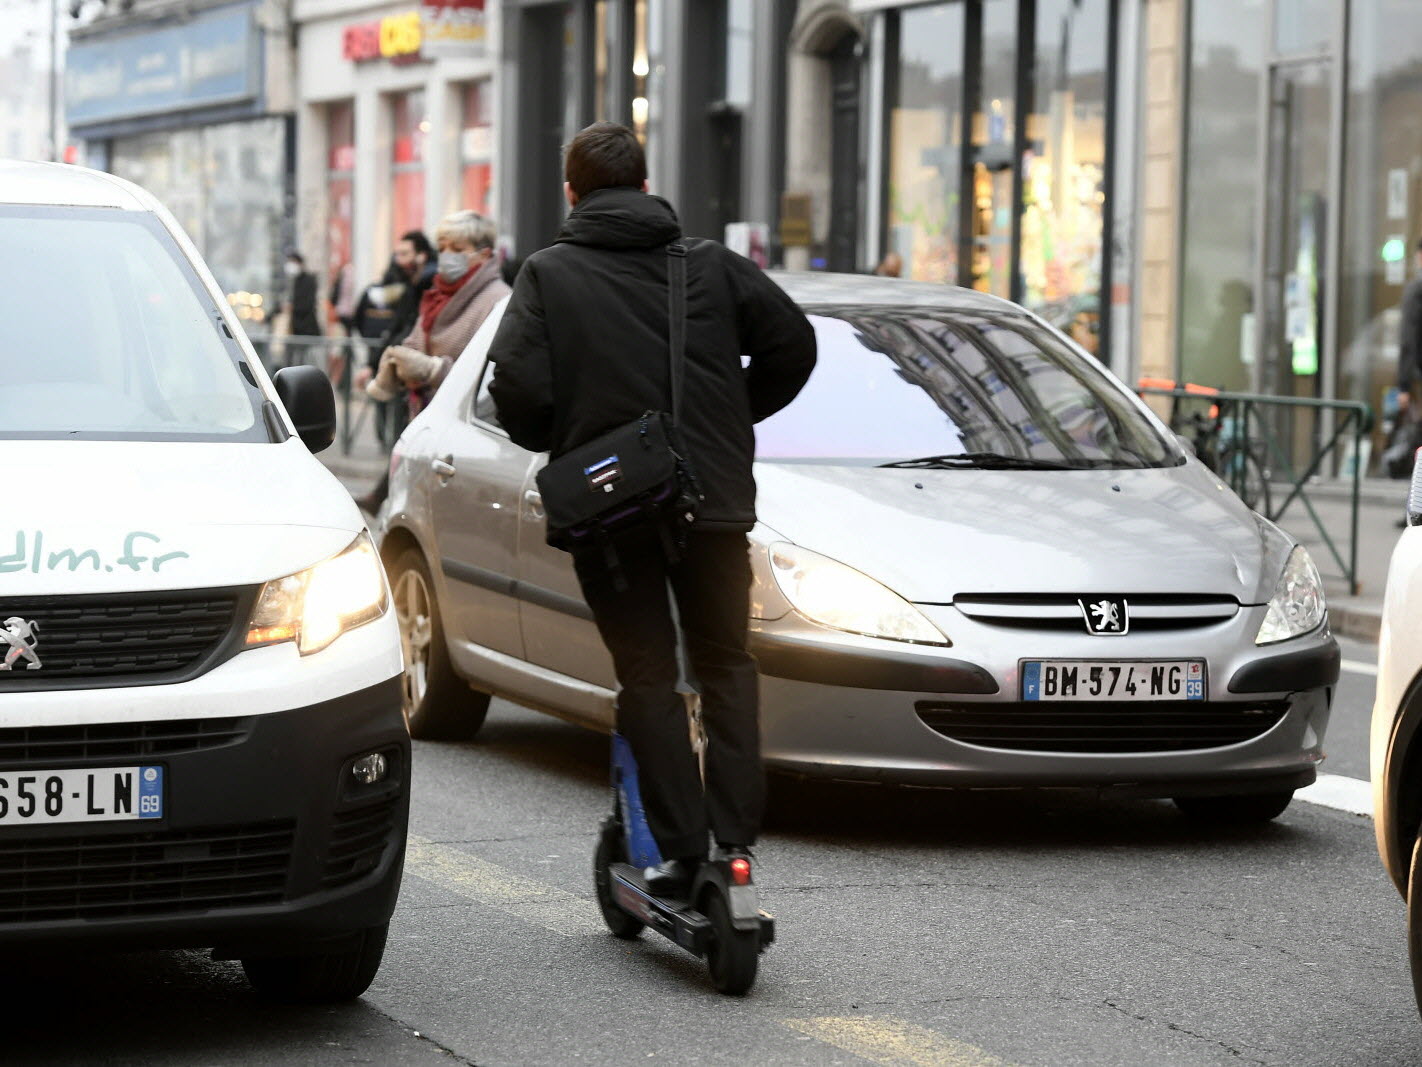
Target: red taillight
[{"x": 740, "y": 871}]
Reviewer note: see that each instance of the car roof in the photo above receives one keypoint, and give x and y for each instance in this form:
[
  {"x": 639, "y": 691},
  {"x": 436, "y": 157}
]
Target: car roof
[
  {"x": 811, "y": 288},
  {"x": 58, "y": 184}
]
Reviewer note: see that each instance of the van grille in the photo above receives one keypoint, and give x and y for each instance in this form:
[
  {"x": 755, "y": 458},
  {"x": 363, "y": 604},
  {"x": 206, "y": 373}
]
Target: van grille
[
  {"x": 114, "y": 875},
  {"x": 122, "y": 639},
  {"x": 43, "y": 746},
  {"x": 1083, "y": 726}
]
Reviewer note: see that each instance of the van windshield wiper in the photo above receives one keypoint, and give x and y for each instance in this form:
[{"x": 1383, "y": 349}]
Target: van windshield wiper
[{"x": 982, "y": 461}]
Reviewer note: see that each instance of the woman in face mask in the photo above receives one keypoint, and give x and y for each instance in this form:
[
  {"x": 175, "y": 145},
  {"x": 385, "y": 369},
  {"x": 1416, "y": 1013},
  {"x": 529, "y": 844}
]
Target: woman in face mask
[{"x": 465, "y": 289}]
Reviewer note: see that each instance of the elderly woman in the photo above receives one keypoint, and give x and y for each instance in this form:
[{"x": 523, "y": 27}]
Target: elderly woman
[{"x": 465, "y": 289}]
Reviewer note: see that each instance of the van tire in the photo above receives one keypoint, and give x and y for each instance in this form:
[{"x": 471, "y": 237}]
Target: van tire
[
  {"x": 320, "y": 977},
  {"x": 438, "y": 704}
]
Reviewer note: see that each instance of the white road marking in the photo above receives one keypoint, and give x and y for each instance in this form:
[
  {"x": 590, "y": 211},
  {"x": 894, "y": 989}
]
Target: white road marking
[
  {"x": 1358, "y": 666},
  {"x": 466, "y": 875},
  {"x": 893, "y": 1042},
  {"x": 1352, "y": 795}
]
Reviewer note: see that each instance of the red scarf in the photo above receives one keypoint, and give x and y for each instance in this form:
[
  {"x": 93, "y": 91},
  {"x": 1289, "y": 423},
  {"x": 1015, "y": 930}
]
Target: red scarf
[{"x": 439, "y": 294}]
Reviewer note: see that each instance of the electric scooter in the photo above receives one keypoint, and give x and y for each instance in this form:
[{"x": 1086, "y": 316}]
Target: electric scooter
[{"x": 719, "y": 920}]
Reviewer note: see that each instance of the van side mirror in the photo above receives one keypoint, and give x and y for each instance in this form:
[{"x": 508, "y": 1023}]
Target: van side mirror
[{"x": 307, "y": 395}]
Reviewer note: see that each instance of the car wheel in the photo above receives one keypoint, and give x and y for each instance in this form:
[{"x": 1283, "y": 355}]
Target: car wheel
[
  {"x": 1236, "y": 810},
  {"x": 438, "y": 704},
  {"x": 1414, "y": 920},
  {"x": 320, "y": 977}
]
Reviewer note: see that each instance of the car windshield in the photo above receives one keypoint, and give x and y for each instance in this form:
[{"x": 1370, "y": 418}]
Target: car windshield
[
  {"x": 923, "y": 387},
  {"x": 108, "y": 335}
]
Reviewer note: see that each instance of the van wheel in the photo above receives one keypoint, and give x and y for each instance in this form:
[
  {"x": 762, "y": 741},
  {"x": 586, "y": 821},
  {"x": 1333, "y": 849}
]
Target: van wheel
[
  {"x": 1236, "y": 810},
  {"x": 438, "y": 704},
  {"x": 320, "y": 977}
]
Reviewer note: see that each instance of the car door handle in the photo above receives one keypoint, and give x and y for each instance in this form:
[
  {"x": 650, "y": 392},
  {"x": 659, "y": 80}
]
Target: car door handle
[
  {"x": 444, "y": 467},
  {"x": 534, "y": 500}
]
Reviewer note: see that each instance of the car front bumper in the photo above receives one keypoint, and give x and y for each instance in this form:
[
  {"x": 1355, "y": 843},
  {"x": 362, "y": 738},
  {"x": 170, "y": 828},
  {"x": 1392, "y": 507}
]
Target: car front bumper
[
  {"x": 841, "y": 706},
  {"x": 267, "y": 839}
]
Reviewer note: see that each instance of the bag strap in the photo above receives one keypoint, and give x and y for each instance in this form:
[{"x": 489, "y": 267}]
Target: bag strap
[{"x": 676, "y": 314}]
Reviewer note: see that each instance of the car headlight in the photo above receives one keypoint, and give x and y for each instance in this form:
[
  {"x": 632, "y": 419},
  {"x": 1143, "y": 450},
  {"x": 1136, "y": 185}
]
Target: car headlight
[
  {"x": 1297, "y": 605},
  {"x": 828, "y": 592},
  {"x": 317, "y": 605}
]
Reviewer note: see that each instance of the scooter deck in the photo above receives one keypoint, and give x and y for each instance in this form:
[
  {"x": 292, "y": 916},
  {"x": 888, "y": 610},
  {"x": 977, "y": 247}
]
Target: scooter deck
[{"x": 674, "y": 919}]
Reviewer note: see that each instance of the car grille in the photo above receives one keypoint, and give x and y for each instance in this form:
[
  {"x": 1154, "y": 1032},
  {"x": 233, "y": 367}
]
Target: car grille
[
  {"x": 1064, "y": 613},
  {"x": 115, "y": 875},
  {"x": 1083, "y": 726},
  {"x": 358, "y": 841},
  {"x": 124, "y": 639},
  {"x": 42, "y": 746}
]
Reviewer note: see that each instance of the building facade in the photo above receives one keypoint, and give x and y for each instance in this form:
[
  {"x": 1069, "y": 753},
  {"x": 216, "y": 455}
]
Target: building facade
[{"x": 193, "y": 101}]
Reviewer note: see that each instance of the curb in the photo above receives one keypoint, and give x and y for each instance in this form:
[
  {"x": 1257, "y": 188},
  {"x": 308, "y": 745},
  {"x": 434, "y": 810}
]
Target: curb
[{"x": 1360, "y": 623}]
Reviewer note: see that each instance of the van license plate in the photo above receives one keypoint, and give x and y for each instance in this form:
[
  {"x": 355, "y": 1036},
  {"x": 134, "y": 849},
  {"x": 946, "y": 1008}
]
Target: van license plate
[
  {"x": 100, "y": 795},
  {"x": 1113, "y": 680}
]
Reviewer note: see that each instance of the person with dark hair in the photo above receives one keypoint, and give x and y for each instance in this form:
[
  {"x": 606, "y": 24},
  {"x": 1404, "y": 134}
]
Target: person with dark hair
[
  {"x": 1409, "y": 364},
  {"x": 583, "y": 348},
  {"x": 300, "y": 304}
]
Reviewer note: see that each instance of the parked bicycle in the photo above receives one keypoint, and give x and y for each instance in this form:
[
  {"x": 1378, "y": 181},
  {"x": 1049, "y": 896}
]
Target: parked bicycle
[{"x": 1221, "y": 440}]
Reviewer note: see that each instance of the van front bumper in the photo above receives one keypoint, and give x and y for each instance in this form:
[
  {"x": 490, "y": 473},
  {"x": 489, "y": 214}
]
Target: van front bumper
[{"x": 266, "y": 839}]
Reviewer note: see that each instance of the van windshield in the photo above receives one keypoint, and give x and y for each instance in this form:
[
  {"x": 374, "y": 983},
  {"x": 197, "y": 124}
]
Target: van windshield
[{"x": 106, "y": 333}]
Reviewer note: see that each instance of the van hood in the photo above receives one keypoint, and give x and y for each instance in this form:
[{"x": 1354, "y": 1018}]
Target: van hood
[
  {"x": 931, "y": 535},
  {"x": 132, "y": 516}
]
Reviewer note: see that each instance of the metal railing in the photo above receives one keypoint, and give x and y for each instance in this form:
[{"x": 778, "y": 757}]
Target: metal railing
[
  {"x": 1260, "y": 444},
  {"x": 340, "y": 358}
]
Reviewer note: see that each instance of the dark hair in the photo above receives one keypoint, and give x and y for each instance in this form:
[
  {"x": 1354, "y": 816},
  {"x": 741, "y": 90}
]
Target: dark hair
[
  {"x": 421, "y": 243},
  {"x": 294, "y": 254},
  {"x": 604, "y": 155}
]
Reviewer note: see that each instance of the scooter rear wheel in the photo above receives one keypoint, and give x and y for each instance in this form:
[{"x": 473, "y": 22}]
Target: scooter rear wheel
[
  {"x": 732, "y": 954},
  {"x": 610, "y": 850}
]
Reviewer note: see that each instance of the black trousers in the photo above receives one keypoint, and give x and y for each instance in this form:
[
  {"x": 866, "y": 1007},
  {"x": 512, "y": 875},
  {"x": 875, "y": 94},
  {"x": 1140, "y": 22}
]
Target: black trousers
[{"x": 711, "y": 586}]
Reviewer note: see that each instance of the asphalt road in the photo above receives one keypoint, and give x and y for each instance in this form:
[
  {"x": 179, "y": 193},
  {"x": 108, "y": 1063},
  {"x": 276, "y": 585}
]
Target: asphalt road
[{"x": 915, "y": 927}]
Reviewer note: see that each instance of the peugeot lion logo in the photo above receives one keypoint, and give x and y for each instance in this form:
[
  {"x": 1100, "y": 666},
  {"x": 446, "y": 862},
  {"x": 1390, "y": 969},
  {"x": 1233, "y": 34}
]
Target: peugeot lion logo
[
  {"x": 17, "y": 638},
  {"x": 1105, "y": 616}
]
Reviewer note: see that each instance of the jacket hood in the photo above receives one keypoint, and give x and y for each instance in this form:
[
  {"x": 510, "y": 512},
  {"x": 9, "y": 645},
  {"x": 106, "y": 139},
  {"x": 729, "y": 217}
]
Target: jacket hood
[{"x": 621, "y": 218}]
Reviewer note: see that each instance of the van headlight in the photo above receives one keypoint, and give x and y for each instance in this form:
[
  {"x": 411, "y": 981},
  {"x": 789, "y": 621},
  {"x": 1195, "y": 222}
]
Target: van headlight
[
  {"x": 1297, "y": 605},
  {"x": 841, "y": 597},
  {"x": 317, "y": 605}
]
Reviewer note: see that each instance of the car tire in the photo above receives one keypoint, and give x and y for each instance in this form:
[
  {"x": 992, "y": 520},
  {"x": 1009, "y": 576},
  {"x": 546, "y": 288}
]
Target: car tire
[
  {"x": 319, "y": 977},
  {"x": 1414, "y": 920},
  {"x": 438, "y": 704},
  {"x": 1236, "y": 810}
]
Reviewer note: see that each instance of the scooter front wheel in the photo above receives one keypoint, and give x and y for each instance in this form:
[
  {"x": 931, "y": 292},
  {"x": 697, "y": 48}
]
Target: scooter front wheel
[
  {"x": 733, "y": 954},
  {"x": 611, "y": 849}
]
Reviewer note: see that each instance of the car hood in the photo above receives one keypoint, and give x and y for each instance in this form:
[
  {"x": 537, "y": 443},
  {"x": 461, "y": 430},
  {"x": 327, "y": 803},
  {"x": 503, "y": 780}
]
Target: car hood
[
  {"x": 125, "y": 516},
  {"x": 931, "y": 535}
]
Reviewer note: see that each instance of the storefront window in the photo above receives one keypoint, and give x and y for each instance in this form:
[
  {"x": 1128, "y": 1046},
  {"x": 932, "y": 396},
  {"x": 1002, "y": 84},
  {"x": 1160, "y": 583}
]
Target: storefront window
[
  {"x": 924, "y": 141},
  {"x": 407, "y": 163},
  {"x": 1219, "y": 254},
  {"x": 340, "y": 189},
  {"x": 1065, "y": 168},
  {"x": 1305, "y": 25},
  {"x": 1382, "y": 196},
  {"x": 476, "y": 148},
  {"x": 993, "y": 133}
]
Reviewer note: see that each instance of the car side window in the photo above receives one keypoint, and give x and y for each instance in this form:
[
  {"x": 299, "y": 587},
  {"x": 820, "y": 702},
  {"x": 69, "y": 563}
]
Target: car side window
[{"x": 483, "y": 410}]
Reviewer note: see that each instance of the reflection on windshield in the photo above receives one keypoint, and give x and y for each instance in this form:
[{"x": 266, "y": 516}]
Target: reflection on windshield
[
  {"x": 107, "y": 336},
  {"x": 895, "y": 384}
]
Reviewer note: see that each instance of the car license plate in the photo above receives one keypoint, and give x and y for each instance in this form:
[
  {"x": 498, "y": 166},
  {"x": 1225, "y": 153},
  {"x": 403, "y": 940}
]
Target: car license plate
[
  {"x": 100, "y": 795},
  {"x": 1052, "y": 679}
]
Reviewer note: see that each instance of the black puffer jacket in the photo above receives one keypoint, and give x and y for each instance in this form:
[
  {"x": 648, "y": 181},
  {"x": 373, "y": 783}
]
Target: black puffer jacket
[{"x": 582, "y": 347}]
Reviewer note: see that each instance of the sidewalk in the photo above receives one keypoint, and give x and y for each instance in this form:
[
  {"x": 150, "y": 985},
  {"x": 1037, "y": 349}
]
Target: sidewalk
[{"x": 1355, "y": 615}]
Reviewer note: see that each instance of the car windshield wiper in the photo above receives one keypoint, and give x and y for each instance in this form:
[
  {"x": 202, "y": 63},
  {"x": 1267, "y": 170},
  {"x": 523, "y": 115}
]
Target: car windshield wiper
[{"x": 983, "y": 461}]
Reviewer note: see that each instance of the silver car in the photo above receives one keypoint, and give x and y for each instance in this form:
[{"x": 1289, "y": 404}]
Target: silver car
[{"x": 980, "y": 561}]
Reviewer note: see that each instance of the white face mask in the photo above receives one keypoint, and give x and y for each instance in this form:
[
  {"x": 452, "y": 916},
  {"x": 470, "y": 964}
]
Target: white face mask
[
  {"x": 453, "y": 265},
  {"x": 292, "y": 269}
]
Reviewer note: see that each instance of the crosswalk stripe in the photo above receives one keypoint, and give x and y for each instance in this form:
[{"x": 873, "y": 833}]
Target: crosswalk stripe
[
  {"x": 1352, "y": 795},
  {"x": 468, "y": 876},
  {"x": 893, "y": 1042}
]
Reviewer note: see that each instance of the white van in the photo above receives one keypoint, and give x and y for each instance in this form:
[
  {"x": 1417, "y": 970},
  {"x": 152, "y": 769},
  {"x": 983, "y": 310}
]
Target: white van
[{"x": 201, "y": 741}]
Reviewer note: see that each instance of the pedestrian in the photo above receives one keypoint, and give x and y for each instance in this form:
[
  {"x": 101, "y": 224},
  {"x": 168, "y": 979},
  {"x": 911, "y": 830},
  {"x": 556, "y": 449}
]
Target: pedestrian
[
  {"x": 300, "y": 305},
  {"x": 583, "y": 349},
  {"x": 1408, "y": 432},
  {"x": 467, "y": 285}
]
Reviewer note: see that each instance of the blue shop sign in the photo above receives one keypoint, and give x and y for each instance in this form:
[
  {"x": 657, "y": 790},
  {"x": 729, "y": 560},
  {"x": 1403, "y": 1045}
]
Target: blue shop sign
[{"x": 212, "y": 58}]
